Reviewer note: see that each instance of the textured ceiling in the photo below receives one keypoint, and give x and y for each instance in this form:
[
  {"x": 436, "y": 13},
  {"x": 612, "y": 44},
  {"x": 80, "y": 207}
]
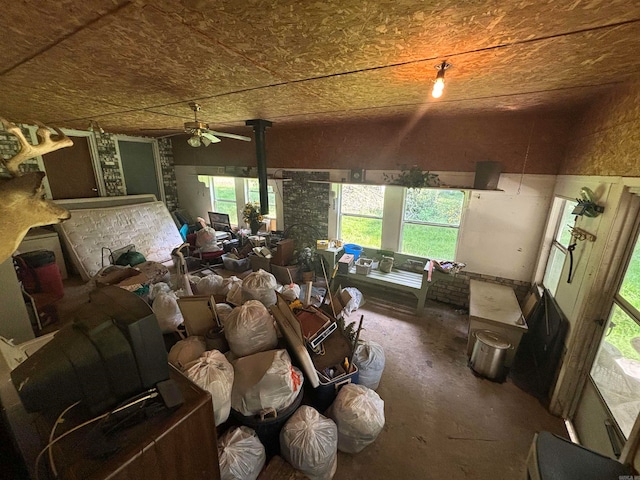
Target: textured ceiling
[{"x": 133, "y": 66}]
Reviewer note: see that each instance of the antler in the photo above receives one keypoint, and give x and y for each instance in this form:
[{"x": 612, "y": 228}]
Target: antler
[{"x": 27, "y": 151}]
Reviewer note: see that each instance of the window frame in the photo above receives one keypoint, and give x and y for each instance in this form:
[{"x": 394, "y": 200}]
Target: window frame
[{"x": 393, "y": 223}]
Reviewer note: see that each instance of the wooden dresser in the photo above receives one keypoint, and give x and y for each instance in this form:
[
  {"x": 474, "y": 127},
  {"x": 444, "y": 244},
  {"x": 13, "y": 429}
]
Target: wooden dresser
[{"x": 174, "y": 446}]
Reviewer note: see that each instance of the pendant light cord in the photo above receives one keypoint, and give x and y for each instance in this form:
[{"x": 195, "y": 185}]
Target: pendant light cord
[{"x": 526, "y": 157}]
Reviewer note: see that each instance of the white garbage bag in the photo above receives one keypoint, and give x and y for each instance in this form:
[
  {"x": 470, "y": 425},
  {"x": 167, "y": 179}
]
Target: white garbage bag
[
  {"x": 291, "y": 291},
  {"x": 165, "y": 307},
  {"x": 234, "y": 296},
  {"x": 186, "y": 351},
  {"x": 263, "y": 381},
  {"x": 355, "y": 302},
  {"x": 260, "y": 286},
  {"x": 250, "y": 329},
  {"x": 213, "y": 373},
  {"x": 210, "y": 285},
  {"x": 309, "y": 442},
  {"x": 223, "y": 310},
  {"x": 206, "y": 240},
  {"x": 240, "y": 454},
  {"x": 359, "y": 414},
  {"x": 369, "y": 357},
  {"x": 157, "y": 288}
]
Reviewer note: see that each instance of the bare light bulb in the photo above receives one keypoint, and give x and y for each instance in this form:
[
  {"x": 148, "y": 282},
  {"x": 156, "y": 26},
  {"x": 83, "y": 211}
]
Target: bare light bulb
[{"x": 438, "y": 88}]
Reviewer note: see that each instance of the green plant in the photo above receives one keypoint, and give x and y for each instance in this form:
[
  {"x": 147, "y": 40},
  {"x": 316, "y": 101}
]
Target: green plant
[
  {"x": 307, "y": 259},
  {"x": 413, "y": 177}
]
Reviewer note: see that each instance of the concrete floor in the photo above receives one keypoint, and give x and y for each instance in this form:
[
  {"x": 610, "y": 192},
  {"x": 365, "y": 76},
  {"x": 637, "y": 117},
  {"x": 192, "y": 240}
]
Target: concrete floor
[{"x": 442, "y": 422}]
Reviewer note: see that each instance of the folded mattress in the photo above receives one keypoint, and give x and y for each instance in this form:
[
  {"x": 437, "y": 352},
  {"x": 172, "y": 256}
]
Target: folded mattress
[{"x": 148, "y": 226}]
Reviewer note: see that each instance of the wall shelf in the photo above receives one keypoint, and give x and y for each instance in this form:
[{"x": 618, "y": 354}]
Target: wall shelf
[{"x": 442, "y": 187}]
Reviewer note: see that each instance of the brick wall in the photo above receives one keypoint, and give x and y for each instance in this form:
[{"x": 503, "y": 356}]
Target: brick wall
[
  {"x": 168, "y": 174},
  {"x": 457, "y": 292},
  {"x": 305, "y": 202},
  {"x": 9, "y": 146},
  {"x": 110, "y": 164}
]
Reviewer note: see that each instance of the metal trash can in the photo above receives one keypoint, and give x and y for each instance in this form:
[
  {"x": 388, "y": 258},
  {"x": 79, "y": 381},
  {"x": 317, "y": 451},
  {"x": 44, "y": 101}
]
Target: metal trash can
[{"x": 488, "y": 355}]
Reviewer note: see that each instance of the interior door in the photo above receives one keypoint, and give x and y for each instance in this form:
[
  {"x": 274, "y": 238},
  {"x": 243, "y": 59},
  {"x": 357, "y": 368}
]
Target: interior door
[
  {"x": 70, "y": 171},
  {"x": 139, "y": 166}
]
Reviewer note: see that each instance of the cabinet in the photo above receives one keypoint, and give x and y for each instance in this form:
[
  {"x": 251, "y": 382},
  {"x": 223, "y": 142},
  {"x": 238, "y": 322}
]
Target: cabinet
[
  {"x": 495, "y": 307},
  {"x": 43, "y": 239},
  {"x": 176, "y": 445}
]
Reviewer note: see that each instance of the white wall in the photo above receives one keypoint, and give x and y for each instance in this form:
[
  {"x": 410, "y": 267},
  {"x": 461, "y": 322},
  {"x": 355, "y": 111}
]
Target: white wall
[
  {"x": 501, "y": 231},
  {"x": 193, "y": 195}
]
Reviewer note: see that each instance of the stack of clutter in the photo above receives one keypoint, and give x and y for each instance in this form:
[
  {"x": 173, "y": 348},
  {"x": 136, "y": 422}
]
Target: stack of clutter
[{"x": 256, "y": 389}]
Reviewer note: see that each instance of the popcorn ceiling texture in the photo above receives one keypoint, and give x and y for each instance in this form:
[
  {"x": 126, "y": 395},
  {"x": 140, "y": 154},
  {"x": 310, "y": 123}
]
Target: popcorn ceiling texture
[{"x": 606, "y": 141}]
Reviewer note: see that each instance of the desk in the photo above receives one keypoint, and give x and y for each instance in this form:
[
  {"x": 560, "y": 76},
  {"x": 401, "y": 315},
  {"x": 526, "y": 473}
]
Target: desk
[{"x": 495, "y": 307}]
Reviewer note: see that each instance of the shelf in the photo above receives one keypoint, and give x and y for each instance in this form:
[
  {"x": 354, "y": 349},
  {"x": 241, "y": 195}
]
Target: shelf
[{"x": 442, "y": 187}]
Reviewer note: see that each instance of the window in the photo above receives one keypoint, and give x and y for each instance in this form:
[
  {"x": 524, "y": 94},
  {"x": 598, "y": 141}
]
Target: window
[
  {"x": 616, "y": 369},
  {"x": 361, "y": 214},
  {"x": 431, "y": 222},
  {"x": 230, "y": 194},
  {"x": 253, "y": 194},
  {"x": 561, "y": 240},
  {"x": 422, "y": 222},
  {"x": 223, "y": 197}
]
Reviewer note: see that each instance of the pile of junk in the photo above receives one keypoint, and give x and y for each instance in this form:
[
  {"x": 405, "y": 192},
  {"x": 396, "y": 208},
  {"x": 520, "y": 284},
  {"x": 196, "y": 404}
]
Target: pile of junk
[{"x": 290, "y": 379}]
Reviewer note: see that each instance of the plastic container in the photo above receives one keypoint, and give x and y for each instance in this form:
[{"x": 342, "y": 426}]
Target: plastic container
[
  {"x": 323, "y": 396},
  {"x": 353, "y": 249},
  {"x": 268, "y": 427},
  {"x": 236, "y": 264},
  {"x": 363, "y": 266}
]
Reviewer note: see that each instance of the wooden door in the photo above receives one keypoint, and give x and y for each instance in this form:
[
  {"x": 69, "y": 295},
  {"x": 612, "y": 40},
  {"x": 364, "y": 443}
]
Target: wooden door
[{"x": 70, "y": 171}]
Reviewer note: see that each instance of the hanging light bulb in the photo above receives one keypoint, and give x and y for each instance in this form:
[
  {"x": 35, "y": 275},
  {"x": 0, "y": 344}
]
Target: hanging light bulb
[
  {"x": 194, "y": 141},
  {"x": 438, "y": 85}
]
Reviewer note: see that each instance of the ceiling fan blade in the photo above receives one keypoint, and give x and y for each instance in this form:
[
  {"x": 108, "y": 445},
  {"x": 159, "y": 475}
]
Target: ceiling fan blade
[
  {"x": 230, "y": 135},
  {"x": 210, "y": 137},
  {"x": 205, "y": 141}
]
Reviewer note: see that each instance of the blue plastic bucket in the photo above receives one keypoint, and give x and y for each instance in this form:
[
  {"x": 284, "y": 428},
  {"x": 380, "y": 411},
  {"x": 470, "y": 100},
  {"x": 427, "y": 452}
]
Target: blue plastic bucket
[{"x": 353, "y": 249}]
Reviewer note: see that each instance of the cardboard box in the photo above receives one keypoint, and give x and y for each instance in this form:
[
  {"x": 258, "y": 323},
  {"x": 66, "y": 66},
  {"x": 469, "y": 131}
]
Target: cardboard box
[
  {"x": 199, "y": 313},
  {"x": 283, "y": 253},
  {"x": 345, "y": 263},
  {"x": 122, "y": 277},
  {"x": 285, "y": 274},
  {"x": 258, "y": 262}
]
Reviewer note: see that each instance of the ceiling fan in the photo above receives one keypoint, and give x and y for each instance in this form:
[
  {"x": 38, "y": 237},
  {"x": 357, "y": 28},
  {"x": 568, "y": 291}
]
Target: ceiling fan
[{"x": 201, "y": 134}]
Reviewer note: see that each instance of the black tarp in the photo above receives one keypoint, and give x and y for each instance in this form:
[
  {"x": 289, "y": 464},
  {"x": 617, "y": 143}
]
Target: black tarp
[{"x": 536, "y": 362}]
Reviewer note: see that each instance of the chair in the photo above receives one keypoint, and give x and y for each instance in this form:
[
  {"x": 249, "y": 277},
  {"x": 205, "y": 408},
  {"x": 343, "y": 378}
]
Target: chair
[{"x": 555, "y": 458}]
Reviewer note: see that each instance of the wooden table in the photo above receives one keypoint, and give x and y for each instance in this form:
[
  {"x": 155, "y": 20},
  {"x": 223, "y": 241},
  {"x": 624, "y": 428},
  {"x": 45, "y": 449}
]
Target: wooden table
[{"x": 495, "y": 307}]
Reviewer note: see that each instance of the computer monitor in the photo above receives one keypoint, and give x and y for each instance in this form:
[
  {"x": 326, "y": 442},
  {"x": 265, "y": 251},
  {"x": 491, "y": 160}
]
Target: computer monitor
[{"x": 219, "y": 221}]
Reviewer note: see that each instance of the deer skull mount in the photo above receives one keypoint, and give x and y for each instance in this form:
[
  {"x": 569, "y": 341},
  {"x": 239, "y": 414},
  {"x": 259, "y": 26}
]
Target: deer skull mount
[{"x": 22, "y": 202}]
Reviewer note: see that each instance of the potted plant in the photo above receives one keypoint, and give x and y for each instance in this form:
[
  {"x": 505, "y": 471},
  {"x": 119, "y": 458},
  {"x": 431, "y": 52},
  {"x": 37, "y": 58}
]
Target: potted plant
[
  {"x": 307, "y": 263},
  {"x": 252, "y": 216}
]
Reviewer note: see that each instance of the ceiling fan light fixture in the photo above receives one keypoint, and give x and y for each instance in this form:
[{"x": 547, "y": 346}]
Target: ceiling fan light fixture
[
  {"x": 438, "y": 85},
  {"x": 194, "y": 141}
]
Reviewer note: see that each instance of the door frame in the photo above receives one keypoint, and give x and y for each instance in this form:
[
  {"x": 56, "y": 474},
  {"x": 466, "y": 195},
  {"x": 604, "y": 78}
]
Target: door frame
[
  {"x": 93, "y": 152},
  {"x": 156, "y": 160}
]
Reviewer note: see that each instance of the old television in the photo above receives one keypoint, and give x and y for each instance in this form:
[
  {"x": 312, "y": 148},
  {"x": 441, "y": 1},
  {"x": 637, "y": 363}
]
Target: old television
[{"x": 112, "y": 350}]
